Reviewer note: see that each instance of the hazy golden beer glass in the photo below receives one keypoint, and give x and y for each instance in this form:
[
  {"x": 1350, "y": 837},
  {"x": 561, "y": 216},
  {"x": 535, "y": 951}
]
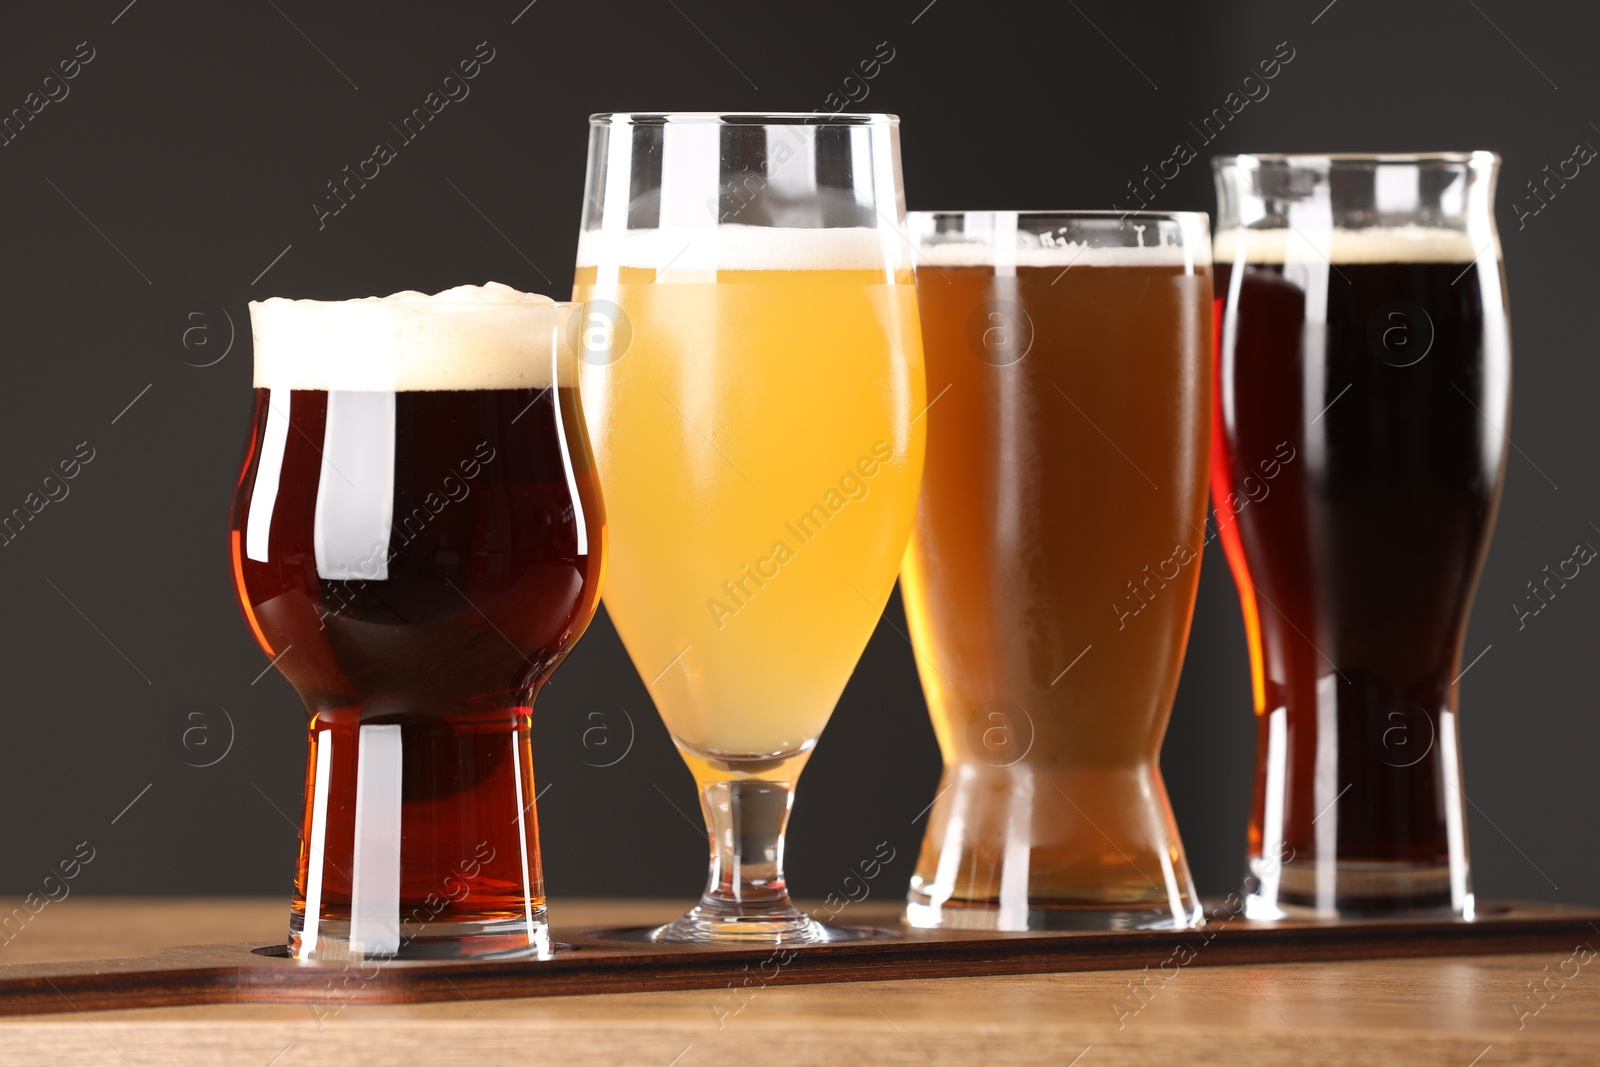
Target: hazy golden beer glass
[
  {"x": 1052, "y": 574},
  {"x": 754, "y": 370}
]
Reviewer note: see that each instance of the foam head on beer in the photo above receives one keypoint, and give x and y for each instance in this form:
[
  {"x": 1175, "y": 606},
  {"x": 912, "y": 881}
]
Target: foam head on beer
[
  {"x": 471, "y": 337},
  {"x": 740, "y": 247},
  {"x": 1375, "y": 244},
  {"x": 1006, "y": 242},
  {"x": 1028, "y": 252}
]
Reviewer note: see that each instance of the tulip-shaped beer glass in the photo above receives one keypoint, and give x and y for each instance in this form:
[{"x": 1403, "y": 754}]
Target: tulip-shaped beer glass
[
  {"x": 1365, "y": 387},
  {"x": 753, "y": 375},
  {"x": 1053, "y": 570},
  {"x": 417, "y": 542}
]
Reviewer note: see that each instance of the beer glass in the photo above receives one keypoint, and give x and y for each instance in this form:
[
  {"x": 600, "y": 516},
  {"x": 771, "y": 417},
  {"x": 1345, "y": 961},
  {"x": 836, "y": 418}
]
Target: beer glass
[
  {"x": 417, "y": 540},
  {"x": 1052, "y": 573},
  {"x": 753, "y": 375},
  {"x": 1364, "y": 388}
]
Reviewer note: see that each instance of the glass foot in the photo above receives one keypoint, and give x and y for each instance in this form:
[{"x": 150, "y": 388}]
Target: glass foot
[
  {"x": 746, "y": 901},
  {"x": 499, "y": 939},
  {"x": 704, "y": 926},
  {"x": 987, "y": 915},
  {"x": 1348, "y": 889},
  {"x": 1053, "y": 846}
]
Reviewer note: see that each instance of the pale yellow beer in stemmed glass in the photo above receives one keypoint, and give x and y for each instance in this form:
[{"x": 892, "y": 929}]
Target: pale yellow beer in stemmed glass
[{"x": 753, "y": 370}]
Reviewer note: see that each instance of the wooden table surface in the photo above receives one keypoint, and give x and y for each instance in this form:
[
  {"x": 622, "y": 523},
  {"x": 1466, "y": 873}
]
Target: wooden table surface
[{"x": 1454, "y": 1012}]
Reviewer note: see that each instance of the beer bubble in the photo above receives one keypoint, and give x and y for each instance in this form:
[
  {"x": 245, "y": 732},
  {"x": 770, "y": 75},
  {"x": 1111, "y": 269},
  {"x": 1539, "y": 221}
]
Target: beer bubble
[
  {"x": 1000, "y": 332},
  {"x": 207, "y": 736},
  {"x": 600, "y": 333},
  {"x": 605, "y": 739},
  {"x": 1000, "y": 733},
  {"x": 1400, "y": 333},
  {"x": 205, "y": 334},
  {"x": 1400, "y": 733}
]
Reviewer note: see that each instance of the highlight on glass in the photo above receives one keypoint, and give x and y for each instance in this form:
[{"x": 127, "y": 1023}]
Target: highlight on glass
[
  {"x": 1052, "y": 575},
  {"x": 1364, "y": 395},
  {"x": 753, "y": 370},
  {"x": 417, "y": 540}
]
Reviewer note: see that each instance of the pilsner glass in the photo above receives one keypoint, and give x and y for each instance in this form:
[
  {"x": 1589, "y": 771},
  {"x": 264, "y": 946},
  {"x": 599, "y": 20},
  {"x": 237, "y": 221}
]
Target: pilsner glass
[
  {"x": 417, "y": 542},
  {"x": 1365, "y": 361},
  {"x": 753, "y": 375},
  {"x": 1052, "y": 574}
]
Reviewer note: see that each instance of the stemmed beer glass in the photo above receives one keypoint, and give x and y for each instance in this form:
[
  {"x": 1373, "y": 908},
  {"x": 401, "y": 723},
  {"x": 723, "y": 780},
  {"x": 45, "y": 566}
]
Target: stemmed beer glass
[{"x": 753, "y": 376}]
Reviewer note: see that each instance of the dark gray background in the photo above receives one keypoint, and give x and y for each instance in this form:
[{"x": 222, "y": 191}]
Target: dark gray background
[{"x": 188, "y": 156}]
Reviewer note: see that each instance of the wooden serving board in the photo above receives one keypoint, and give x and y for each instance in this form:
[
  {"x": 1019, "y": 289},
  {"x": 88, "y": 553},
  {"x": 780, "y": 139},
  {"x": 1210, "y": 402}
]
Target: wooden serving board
[{"x": 590, "y": 961}]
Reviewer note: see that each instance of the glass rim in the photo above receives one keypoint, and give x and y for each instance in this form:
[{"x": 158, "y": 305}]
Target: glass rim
[
  {"x": 431, "y": 303},
  {"x": 1358, "y": 159},
  {"x": 1081, "y": 215},
  {"x": 743, "y": 118}
]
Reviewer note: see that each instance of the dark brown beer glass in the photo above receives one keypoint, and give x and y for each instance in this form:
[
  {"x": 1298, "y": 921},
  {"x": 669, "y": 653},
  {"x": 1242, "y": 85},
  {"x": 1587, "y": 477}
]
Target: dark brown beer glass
[
  {"x": 417, "y": 540},
  {"x": 1052, "y": 572},
  {"x": 1364, "y": 384}
]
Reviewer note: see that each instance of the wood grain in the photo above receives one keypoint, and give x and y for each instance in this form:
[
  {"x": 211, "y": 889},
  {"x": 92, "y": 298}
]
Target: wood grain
[
  {"x": 1448, "y": 1011},
  {"x": 593, "y": 960}
]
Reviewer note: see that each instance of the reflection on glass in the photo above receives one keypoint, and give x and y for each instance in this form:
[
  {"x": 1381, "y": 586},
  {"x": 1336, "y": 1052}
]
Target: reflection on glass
[
  {"x": 754, "y": 376},
  {"x": 417, "y": 540},
  {"x": 1364, "y": 393},
  {"x": 1052, "y": 575}
]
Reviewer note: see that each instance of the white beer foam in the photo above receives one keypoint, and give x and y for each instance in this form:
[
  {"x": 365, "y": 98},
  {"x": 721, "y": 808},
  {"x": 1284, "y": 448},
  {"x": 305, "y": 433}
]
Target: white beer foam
[
  {"x": 1377, "y": 244},
  {"x": 470, "y": 337},
  {"x": 741, "y": 247},
  {"x": 1061, "y": 256}
]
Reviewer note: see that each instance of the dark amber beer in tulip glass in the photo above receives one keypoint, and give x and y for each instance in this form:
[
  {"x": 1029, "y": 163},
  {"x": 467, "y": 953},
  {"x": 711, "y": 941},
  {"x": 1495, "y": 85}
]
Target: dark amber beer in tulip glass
[
  {"x": 1053, "y": 566},
  {"x": 1364, "y": 391},
  {"x": 417, "y": 542}
]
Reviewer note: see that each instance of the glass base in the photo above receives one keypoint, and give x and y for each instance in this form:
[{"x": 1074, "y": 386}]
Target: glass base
[
  {"x": 988, "y": 915},
  {"x": 1052, "y": 846},
  {"x": 1349, "y": 889},
  {"x": 496, "y": 939},
  {"x": 746, "y": 901},
  {"x": 787, "y": 926}
]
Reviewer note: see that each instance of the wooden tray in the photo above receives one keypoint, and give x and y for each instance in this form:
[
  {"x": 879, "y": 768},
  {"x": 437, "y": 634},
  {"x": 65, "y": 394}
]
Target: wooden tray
[{"x": 591, "y": 962}]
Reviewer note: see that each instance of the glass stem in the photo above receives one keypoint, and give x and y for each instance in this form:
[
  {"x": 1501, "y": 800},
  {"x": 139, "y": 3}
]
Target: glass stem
[{"x": 746, "y": 820}]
